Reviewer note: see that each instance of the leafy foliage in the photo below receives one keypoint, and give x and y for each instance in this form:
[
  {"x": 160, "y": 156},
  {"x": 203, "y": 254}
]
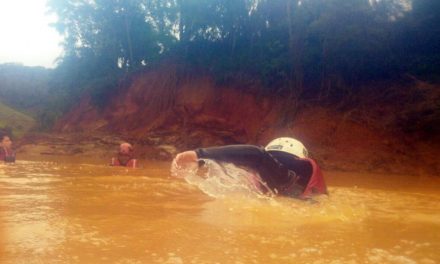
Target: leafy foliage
[
  {"x": 287, "y": 44},
  {"x": 305, "y": 48},
  {"x": 24, "y": 87}
]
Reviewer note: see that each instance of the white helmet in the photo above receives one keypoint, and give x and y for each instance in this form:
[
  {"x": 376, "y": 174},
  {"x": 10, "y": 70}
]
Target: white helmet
[{"x": 288, "y": 145}]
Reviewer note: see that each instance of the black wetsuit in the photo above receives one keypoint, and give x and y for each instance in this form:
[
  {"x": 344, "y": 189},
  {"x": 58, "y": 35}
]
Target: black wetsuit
[{"x": 282, "y": 172}]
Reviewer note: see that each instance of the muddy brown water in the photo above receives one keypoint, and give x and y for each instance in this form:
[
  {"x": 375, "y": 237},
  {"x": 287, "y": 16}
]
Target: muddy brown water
[{"x": 74, "y": 212}]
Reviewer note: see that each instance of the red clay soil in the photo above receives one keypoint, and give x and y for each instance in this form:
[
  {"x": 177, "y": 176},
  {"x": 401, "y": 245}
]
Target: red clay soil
[{"x": 158, "y": 109}]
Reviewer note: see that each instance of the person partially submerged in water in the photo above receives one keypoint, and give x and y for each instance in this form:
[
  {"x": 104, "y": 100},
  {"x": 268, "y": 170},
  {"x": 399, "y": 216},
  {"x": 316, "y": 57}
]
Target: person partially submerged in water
[
  {"x": 7, "y": 154},
  {"x": 283, "y": 166},
  {"x": 125, "y": 156}
]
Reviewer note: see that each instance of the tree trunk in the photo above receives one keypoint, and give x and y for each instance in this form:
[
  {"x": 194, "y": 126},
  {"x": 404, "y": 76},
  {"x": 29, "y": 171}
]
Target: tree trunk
[
  {"x": 128, "y": 35},
  {"x": 295, "y": 81}
]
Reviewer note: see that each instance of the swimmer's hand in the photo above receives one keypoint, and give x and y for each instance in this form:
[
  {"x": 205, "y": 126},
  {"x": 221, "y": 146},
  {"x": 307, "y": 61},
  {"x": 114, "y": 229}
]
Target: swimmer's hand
[{"x": 185, "y": 160}]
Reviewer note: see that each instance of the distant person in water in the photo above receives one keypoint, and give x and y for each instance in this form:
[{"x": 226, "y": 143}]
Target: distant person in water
[
  {"x": 125, "y": 156},
  {"x": 283, "y": 166},
  {"x": 7, "y": 154}
]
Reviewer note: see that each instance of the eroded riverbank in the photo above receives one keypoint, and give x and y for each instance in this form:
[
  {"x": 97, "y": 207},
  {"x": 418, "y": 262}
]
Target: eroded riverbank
[{"x": 86, "y": 213}]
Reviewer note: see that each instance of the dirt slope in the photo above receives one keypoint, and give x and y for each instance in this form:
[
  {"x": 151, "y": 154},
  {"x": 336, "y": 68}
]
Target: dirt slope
[{"x": 158, "y": 109}]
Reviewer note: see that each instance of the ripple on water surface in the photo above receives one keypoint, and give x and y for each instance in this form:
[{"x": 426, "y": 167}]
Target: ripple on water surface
[{"x": 79, "y": 213}]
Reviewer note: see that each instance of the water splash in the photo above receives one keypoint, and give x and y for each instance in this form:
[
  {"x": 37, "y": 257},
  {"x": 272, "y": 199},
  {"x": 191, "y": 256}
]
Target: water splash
[
  {"x": 77, "y": 213},
  {"x": 218, "y": 179}
]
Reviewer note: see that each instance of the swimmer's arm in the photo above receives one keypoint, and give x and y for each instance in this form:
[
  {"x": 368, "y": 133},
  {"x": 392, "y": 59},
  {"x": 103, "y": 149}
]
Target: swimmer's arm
[
  {"x": 185, "y": 159},
  {"x": 241, "y": 155},
  {"x": 244, "y": 155}
]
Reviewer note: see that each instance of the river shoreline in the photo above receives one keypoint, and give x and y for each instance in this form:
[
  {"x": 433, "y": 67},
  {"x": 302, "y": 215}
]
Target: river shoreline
[{"x": 102, "y": 146}]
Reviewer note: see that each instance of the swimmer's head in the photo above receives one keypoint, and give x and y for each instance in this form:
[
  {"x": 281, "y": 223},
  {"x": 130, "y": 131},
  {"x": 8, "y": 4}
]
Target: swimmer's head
[
  {"x": 287, "y": 145},
  {"x": 5, "y": 140},
  {"x": 125, "y": 148}
]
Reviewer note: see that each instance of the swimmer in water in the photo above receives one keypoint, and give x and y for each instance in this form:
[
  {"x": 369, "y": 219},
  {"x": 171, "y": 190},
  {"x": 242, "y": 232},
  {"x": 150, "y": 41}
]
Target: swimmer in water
[
  {"x": 7, "y": 154},
  {"x": 283, "y": 165},
  {"x": 125, "y": 156}
]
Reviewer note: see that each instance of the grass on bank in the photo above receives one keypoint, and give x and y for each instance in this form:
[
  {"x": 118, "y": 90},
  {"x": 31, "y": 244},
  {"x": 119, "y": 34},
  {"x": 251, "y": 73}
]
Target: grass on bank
[{"x": 18, "y": 122}]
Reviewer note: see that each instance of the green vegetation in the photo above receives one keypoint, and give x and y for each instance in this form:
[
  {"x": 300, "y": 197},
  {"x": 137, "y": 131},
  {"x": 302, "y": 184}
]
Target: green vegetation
[
  {"x": 307, "y": 47},
  {"x": 24, "y": 88},
  {"x": 31, "y": 91},
  {"x": 304, "y": 49},
  {"x": 18, "y": 123},
  {"x": 324, "y": 50}
]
